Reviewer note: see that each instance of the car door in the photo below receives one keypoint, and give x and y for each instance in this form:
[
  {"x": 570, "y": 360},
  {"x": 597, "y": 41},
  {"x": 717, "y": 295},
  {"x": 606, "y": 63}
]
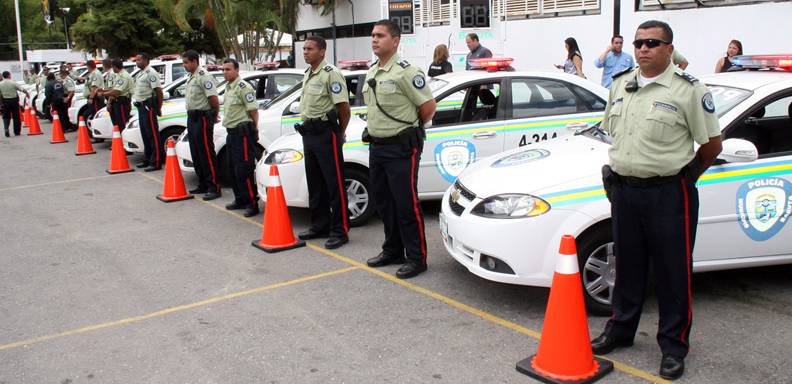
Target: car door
[
  {"x": 466, "y": 126},
  {"x": 745, "y": 207},
  {"x": 542, "y": 109}
]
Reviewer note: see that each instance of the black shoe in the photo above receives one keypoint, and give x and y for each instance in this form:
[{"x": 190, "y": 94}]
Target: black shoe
[
  {"x": 143, "y": 164},
  {"x": 335, "y": 242},
  {"x": 382, "y": 260},
  {"x": 252, "y": 210},
  {"x": 672, "y": 367},
  {"x": 199, "y": 191},
  {"x": 151, "y": 168},
  {"x": 7, "y": 135},
  {"x": 211, "y": 196},
  {"x": 604, "y": 344},
  {"x": 410, "y": 270},
  {"x": 311, "y": 234},
  {"x": 235, "y": 206},
  {"x": 96, "y": 141}
]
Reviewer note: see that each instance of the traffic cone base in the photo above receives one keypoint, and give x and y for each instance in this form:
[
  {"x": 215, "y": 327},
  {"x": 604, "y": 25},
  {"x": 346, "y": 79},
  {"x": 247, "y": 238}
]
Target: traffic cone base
[
  {"x": 34, "y": 128},
  {"x": 277, "y": 248},
  {"x": 118, "y": 159},
  {"x": 121, "y": 171},
  {"x": 173, "y": 188},
  {"x": 527, "y": 367},
  {"x": 57, "y": 130},
  {"x": 276, "y": 233},
  {"x": 172, "y": 199}
]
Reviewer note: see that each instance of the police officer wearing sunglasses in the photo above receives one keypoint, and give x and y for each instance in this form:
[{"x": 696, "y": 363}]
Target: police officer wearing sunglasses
[{"x": 655, "y": 114}]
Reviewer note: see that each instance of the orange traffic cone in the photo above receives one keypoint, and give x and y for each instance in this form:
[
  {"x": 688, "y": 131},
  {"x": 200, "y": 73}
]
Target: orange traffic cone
[
  {"x": 564, "y": 354},
  {"x": 173, "y": 188},
  {"x": 276, "y": 235},
  {"x": 57, "y": 129},
  {"x": 26, "y": 115},
  {"x": 34, "y": 128},
  {"x": 118, "y": 159},
  {"x": 84, "y": 146}
]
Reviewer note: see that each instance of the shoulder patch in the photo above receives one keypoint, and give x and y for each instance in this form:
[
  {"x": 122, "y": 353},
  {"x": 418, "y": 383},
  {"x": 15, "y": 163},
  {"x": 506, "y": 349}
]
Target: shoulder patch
[
  {"x": 208, "y": 84},
  {"x": 201, "y": 72},
  {"x": 153, "y": 78},
  {"x": 328, "y": 68},
  {"x": 628, "y": 70},
  {"x": 336, "y": 87},
  {"x": 419, "y": 81},
  {"x": 250, "y": 97},
  {"x": 708, "y": 103},
  {"x": 688, "y": 77},
  {"x": 120, "y": 82},
  {"x": 403, "y": 63}
]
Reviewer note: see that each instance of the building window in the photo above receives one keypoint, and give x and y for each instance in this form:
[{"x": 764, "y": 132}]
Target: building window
[
  {"x": 658, "y": 5},
  {"x": 521, "y": 9}
]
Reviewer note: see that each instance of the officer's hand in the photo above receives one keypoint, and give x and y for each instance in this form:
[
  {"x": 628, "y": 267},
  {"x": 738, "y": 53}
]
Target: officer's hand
[
  {"x": 217, "y": 119},
  {"x": 344, "y": 137}
]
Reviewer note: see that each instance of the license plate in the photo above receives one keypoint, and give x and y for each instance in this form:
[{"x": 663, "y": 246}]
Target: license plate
[{"x": 443, "y": 227}]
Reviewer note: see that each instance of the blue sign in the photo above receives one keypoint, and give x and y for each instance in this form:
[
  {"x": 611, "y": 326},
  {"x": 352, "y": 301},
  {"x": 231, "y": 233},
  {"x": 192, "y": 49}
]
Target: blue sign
[
  {"x": 764, "y": 206},
  {"x": 452, "y": 157}
]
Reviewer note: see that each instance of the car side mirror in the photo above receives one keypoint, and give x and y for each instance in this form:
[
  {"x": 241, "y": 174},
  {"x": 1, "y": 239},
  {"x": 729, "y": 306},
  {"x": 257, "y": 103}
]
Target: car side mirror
[
  {"x": 294, "y": 107},
  {"x": 738, "y": 151},
  {"x": 166, "y": 95}
]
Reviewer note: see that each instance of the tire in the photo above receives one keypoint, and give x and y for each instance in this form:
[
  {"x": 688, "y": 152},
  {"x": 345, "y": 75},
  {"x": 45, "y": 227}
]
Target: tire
[
  {"x": 359, "y": 204},
  {"x": 168, "y": 133},
  {"x": 224, "y": 171},
  {"x": 597, "y": 269}
]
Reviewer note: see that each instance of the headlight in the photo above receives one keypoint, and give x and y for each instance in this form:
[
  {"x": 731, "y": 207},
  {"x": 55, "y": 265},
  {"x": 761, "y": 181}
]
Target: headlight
[
  {"x": 105, "y": 114},
  {"x": 133, "y": 124},
  {"x": 511, "y": 206},
  {"x": 183, "y": 136},
  {"x": 283, "y": 156}
]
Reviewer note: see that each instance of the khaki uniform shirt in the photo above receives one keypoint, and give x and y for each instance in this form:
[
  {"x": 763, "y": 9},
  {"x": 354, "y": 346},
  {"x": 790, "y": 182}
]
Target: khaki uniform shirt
[
  {"x": 68, "y": 84},
  {"x": 9, "y": 88},
  {"x": 200, "y": 86},
  {"x": 147, "y": 80},
  {"x": 401, "y": 89},
  {"x": 109, "y": 78},
  {"x": 322, "y": 89},
  {"x": 41, "y": 82},
  {"x": 240, "y": 97},
  {"x": 123, "y": 83},
  {"x": 93, "y": 79},
  {"x": 653, "y": 128}
]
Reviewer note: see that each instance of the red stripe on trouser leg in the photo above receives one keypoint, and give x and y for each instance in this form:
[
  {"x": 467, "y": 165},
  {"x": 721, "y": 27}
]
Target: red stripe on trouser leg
[
  {"x": 155, "y": 135},
  {"x": 341, "y": 191},
  {"x": 123, "y": 117},
  {"x": 413, "y": 176},
  {"x": 687, "y": 260},
  {"x": 247, "y": 177},
  {"x": 206, "y": 145}
]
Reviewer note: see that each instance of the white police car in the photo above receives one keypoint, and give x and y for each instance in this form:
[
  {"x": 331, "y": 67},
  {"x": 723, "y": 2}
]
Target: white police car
[
  {"x": 504, "y": 216},
  {"x": 275, "y": 119},
  {"x": 479, "y": 114},
  {"x": 173, "y": 121}
]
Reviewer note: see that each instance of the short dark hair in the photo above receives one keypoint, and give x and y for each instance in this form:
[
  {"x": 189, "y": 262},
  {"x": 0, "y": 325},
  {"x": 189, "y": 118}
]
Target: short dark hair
[
  {"x": 473, "y": 36},
  {"x": 118, "y": 64},
  {"x": 50, "y": 76},
  {"x": 319, "y": 40},
  {"x": 393, "y": 29},
  {"x": 6, "y": 75},
  {"x": 190, "y": 55},
  {"x": 90, "y": 64},
  {"x": 145, "y": 56},
  {"x": 669, "y": 34},
  {"x": 617, "y": 37},
  {"x": 232, "y": 61}
]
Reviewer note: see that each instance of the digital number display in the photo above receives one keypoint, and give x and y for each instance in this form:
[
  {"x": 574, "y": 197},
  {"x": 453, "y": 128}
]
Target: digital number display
[
  {"x": 401, "y": 13},
  {"x": 474, "y": 13}
]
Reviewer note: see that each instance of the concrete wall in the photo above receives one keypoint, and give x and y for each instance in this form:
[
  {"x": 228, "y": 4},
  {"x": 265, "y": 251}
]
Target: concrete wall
[{"x": 13, "y": 67}]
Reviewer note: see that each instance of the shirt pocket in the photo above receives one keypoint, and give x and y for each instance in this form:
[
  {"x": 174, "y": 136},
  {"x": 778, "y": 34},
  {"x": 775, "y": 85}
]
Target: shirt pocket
[
  {"x": 315, "y": 89},
  {"x": 388, "y": 93},
  {"x": 614, "y": 117},
  {"x": 663, "y": 125}
]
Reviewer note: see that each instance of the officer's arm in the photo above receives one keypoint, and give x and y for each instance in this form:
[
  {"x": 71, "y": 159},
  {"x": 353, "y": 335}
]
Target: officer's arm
[
  {"x": 707, "y": 154},
  {"x": 158, "y": 91},
  {"x": 427, "y": 110},
  {"x": 214, "y": 102},
  {"x": 683, "y": 64},
  {"x": 344, "y": 114},
  {"x": 253, "y": 113},
  {"x": 704, "y": 129}
]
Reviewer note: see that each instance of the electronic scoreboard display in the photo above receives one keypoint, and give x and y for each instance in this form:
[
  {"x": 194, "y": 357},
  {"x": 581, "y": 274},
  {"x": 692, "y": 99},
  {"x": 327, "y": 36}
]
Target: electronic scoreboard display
[
  {"x": 401, "y": 13},
  {"x": 474, "y": 13}
]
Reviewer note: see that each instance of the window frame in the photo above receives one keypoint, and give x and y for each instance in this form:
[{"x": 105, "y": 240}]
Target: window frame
[
  {"x": 580, "y": 104},
  {"x": 740, "y": 121},
  {"x": 500, "y": 113}
]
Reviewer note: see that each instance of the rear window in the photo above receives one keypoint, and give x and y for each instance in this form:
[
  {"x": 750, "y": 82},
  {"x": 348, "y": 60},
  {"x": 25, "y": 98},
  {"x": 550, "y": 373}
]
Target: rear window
[{"x": 726, "y": 98}]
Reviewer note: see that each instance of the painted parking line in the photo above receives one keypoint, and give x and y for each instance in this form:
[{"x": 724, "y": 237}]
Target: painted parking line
[
  {"x": 623, "y": 367},
  {"x": 180, "y": 308},
  {"x": 54, "y": 183}
]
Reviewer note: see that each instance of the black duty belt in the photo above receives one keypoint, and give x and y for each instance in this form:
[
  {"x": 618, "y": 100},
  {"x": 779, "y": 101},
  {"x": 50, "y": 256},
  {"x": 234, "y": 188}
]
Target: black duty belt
[
  {"x": 199, "y": 112},
  {"x": 640, "y": 182}
]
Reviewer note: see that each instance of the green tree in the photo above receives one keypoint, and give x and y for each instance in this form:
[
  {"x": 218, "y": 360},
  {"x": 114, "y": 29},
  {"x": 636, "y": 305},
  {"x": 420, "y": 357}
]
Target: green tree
[{"x": 36, "y": 33}]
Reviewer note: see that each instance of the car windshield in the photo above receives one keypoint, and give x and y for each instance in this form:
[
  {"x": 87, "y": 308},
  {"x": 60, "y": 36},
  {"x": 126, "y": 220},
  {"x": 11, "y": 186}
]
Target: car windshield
[
  {"x": 284, "y": 95},
  {"x": 726, "y": 98}
]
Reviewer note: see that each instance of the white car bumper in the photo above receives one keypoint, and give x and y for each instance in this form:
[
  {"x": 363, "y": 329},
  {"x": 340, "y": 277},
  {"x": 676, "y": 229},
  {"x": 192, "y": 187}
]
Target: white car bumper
[
  {"x": 133, "y": 142},
  {"x": 102, "y": 127},
  {"x": 292, "y": 177},
  {"x": 75, "y": 109},
  {"x": 184, "y": 154},
  {"x": 527, "y": 246}
]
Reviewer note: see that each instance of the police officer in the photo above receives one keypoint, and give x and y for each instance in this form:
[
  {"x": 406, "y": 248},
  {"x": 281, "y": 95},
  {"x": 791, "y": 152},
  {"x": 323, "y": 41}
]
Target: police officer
[
  {"x": 202, "y": 113},
  {"x": 10, "y": 103},
  {"x": 400, "y": 104},
  {"x": 94, "y": 82},
  {"x": 41, "y": 85},
  {"x": 325, "y": 114},
  {"x": 148, "y": 101},
  {"x": 63, "y": 98},
  {"x": 654, "y": 115},
  {"x": 240, "y": 117},
  {"x": 121, "y": 84}
]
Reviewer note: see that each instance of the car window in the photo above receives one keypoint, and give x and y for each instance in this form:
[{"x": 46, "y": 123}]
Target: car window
[
  {"x": 768, "y": 126},
  {"x": 541, "y": 97},
  {"x": 726, "y": 98},
  {"x": 476, "y": 102},
  {"x": 354, "y": 86},
  {"x": 591, "y": 101},
  {"x": 178, "y": 71}
]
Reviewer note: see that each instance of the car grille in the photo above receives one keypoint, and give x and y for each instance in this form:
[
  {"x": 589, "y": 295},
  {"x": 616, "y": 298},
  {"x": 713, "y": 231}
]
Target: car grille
[
  {"x": 464, "y": 191},
  {"x": 456, "y": 208}
]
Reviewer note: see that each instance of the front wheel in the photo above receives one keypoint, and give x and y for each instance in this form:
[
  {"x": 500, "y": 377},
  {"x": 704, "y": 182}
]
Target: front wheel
[
  {"x": 169, "y": 133},
  {"x": 597, "y": 262},
  {"x": 359, "y": 204}
]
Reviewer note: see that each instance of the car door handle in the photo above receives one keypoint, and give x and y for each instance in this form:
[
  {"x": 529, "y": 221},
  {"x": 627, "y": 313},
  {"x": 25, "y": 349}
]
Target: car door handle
[
  {"x": 577, "y": 125},
  {"x": 484, "y": 134}
]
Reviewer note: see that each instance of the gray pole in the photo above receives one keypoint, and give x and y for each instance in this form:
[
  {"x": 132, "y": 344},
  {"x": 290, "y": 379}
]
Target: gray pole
[
  {"x": 19, "y": 36},
  {"x": 335, "y": 60}
]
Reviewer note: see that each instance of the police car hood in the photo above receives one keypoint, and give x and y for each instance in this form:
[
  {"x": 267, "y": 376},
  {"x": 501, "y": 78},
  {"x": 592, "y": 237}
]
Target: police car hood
[{"x": 537, "y": 168}]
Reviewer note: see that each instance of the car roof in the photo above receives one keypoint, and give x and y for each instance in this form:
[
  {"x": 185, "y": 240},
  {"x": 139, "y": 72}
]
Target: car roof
[{"x": 750, "y": 80}]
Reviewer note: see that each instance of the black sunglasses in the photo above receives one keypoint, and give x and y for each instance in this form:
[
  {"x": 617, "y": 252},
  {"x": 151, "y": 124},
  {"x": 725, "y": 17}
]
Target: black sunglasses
[{"x": 651, "y": 43}]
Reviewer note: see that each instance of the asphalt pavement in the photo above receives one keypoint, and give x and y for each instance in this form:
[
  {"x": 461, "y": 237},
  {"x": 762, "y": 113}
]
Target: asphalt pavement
[{"x": 102, "y": 283}]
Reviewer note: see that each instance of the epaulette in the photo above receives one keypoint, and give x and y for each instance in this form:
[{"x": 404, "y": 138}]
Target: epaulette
[
  {"x": 242, "y": 85},
  {"x": 628, "y": 70},
  {"x": 374, "y": 63},
  {"x": 307, "y": 70},
  {"x": 328, "y": 68},
  {"x": 403, "y": 63},
  {"x": 690, "y": 78}
]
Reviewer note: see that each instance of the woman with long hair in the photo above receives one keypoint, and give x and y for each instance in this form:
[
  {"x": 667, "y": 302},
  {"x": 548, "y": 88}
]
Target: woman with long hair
[
  {"x": 724, "y": 63},
  {"x": 574, "y": 60},
  {"x": 440, "y": 64}
]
